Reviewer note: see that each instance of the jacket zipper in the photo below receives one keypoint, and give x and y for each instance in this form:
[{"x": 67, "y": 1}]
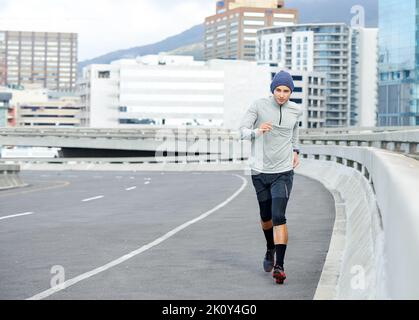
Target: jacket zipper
[{"x": 280, "y": 112}]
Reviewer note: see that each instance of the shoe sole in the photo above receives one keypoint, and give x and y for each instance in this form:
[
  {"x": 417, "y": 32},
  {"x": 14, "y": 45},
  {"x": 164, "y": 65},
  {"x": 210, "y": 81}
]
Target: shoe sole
[{"x": 279, "y": 277}]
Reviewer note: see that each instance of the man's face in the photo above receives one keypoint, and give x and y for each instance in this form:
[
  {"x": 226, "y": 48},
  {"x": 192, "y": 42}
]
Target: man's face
[{"x": 282, "y": 94}]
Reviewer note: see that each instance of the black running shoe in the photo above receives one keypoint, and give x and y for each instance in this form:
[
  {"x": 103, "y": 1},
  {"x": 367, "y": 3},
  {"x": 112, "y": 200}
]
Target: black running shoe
[
  {"x": 268, "y": 261},
  {"x": 279, "y": 274}
]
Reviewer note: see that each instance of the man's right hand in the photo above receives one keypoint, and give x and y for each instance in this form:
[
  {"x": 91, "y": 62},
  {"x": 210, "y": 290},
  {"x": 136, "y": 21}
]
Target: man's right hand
[{"x": 265, "y": 127}]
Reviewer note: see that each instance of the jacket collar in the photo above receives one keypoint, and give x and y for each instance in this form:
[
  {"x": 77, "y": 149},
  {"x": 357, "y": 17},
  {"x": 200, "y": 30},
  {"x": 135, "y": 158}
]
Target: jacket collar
[{"x": 276, "y": 104}]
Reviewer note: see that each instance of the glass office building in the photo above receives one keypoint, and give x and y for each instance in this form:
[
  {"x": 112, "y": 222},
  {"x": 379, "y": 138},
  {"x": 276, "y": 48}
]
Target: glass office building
[{"x": 398, "y": 63}]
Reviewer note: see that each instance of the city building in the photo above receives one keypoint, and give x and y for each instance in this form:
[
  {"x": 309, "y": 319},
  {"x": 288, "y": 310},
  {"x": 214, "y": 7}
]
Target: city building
[
  {"x": 37, "y": 106},
  {"x": 398, "y": 63},
  {"x": 309, "y": 92},
  {"x": 63, "y": 113},
  {"x": 45, "y": 58},
  {"x": 170, "y": 90},
  {"x": 231, "y": 32},
  {"x": 364, "y": 77},
  {"x": 5, "y": 98},
  {"x": 326, "y": 48}
]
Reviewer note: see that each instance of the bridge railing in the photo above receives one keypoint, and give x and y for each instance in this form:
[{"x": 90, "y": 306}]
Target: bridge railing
[{"x": 380, "y": 157}]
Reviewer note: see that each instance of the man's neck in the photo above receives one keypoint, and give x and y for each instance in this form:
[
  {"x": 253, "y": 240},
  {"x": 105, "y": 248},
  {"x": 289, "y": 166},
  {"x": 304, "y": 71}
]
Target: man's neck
[{"x": 277, "y": 103}]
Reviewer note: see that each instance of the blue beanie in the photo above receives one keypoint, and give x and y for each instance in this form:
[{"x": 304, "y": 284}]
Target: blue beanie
[{"x": 282, "y": 78}]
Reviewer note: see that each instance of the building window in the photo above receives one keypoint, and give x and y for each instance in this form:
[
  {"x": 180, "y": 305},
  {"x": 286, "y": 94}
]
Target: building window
[
  {"x": 104, "y": 74},
  {"x": 297, "y": 100}
]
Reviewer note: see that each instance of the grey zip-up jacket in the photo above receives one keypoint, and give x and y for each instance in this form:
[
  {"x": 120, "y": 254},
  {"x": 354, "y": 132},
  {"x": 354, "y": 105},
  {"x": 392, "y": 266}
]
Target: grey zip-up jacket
[{"x": 272, "y": 152}]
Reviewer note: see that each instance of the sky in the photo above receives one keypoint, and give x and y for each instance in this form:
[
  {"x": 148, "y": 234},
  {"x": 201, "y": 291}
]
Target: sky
[{"x": 104, "y": 26}]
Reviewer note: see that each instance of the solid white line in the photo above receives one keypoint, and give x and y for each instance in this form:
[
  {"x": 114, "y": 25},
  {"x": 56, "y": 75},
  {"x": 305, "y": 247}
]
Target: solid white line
[
  {"x": 128, "y": 189},
  {"x": 94, "y": 198},
  {"x": 128, "y": 256},
  {"x": 16, "y": 215}
]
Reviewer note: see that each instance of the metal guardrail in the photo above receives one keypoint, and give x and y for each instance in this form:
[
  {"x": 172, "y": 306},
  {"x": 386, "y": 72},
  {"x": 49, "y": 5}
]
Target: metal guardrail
[{"x": 405, "y": 142}]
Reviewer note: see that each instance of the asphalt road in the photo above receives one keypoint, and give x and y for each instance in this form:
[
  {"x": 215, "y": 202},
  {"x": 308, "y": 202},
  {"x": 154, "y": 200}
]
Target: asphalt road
[{"x": 97, "y": 231}]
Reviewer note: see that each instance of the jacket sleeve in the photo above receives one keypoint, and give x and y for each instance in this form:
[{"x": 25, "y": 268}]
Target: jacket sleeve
[
  {"x": 295, "y": 135},
  {"x": 247, "y": 130}
]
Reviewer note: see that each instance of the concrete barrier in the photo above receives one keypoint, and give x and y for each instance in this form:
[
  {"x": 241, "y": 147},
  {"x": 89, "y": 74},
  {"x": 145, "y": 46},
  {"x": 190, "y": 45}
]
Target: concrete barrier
[
  {"x": 380, "y": 258},
  {"x": 9, "y": 176},
  {"x": 354, "y": 265}
]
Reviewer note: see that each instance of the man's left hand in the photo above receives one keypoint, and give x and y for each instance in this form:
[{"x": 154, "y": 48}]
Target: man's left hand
[{"x": 296, "y": 160}]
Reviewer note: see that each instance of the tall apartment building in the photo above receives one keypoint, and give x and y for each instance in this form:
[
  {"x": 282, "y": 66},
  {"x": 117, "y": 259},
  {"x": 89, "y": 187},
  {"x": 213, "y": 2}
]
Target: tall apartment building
[
  {"x": 45, "y": 58},
  {"x": 170, "y": 90},
  {"x": 326, "y": 48},
  {"x": 364, "y": 77},
  {"x": 231, "y": 32},
  {"x": 398, "y": 63}
]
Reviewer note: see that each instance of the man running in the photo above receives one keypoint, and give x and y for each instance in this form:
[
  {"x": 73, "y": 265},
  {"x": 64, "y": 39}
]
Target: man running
[{"x": 272, "y": 126}]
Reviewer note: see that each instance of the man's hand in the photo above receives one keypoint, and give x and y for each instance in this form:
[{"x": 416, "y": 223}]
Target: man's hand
[
  {"x": 265, "y": 127},
  {"x": 296, "y": 160}
]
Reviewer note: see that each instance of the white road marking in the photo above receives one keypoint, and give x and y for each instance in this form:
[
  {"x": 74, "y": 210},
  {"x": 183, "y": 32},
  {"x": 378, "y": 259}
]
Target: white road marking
[
  {"x": 16, "y": 215},
  {"x": 132, "y": 178},
  {"x": 147, "y": 182},
  {"x": 132, "y": 254},
  {"x": 131, "y": 188},
  {"x": 94, "y": 198}
]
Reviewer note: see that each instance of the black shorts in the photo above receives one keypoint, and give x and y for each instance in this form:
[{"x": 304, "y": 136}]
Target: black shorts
[{"x": 273, "y": 191}]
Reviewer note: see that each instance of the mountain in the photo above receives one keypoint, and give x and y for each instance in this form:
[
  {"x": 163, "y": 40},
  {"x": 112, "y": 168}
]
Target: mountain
[
  {"x": 196, "y": 50},
  {"x": 191, "y": 36},
  {"x": 190, "y": 42}
]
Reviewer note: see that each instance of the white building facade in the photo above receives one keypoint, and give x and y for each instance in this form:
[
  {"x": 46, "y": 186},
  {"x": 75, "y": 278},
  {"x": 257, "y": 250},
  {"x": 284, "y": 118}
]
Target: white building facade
[
  {"x": 364, "y": 77},
  {"x": 170, "y": 90}
]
